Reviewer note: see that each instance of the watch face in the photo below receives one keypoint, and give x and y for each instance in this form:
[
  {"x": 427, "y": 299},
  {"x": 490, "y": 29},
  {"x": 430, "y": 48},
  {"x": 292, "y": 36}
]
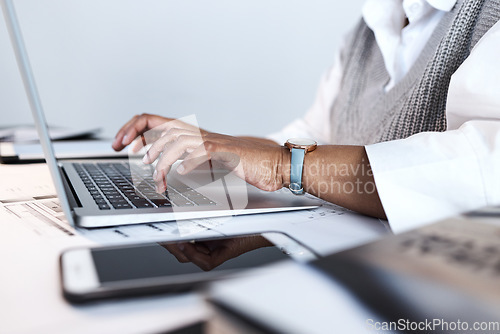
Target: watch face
[
  {"x": 304, "y": 142},
  {"x": 301, "y": 143}
]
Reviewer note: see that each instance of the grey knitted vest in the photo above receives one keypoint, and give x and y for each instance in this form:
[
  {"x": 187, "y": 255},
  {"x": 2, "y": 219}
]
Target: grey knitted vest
[{"x": 364, "y": 113}]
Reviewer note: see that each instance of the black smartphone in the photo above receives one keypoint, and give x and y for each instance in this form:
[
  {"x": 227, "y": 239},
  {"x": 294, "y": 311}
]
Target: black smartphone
[{"x": 109, "y": 272}]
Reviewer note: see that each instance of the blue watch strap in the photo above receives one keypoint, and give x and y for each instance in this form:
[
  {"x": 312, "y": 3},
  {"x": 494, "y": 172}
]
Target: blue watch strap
[{"x": 296, "y": 167}]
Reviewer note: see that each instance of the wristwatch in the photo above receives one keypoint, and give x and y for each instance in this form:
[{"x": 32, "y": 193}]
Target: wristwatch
[{"x": 298, "y": 147}]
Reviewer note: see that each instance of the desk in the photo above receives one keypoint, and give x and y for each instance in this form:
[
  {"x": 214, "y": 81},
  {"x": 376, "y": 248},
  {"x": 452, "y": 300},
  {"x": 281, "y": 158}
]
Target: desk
[{"x": 31, "y": 300}]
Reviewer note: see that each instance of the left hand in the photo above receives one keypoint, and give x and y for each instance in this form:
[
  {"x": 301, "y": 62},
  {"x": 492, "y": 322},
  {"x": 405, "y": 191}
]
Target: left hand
[{"x": 258, "y": 163}]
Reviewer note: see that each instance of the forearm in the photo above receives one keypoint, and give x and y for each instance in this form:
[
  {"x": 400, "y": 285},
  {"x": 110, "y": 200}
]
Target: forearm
[
  {"x": 341, "y": 175},
  {"x": 260, "y": 140}
]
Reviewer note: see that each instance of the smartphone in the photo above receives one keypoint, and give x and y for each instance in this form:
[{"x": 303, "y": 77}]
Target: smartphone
[{"x": 120, "y": 271}]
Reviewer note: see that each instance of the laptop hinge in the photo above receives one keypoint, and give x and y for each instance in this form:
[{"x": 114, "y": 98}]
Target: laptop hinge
[{"x": 69, "y": 190}]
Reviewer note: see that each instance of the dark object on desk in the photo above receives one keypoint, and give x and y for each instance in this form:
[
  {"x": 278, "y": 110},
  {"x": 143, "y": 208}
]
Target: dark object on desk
[
  {"x": 489, "y": 211},
  {"x": 197, "y": 328},
  {"x": 449, "y": 271},
  {"x": 225, "y": 320},
  {"x": 20, "y": 144}
]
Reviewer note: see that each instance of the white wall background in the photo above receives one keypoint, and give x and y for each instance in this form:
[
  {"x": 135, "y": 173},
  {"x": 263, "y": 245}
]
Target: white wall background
[{"x": 242, "y": 66}]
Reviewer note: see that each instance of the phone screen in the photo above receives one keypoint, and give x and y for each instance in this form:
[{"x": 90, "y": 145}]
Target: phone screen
[{"x": 183, "y": 258}]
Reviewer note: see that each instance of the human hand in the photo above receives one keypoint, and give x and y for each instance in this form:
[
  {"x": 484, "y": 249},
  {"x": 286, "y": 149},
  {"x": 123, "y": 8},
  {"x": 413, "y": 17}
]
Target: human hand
[
  {"x": 210, "y": 254},
  {"x": 259, "y": 164},
  {"x": 139, "y": 124}
]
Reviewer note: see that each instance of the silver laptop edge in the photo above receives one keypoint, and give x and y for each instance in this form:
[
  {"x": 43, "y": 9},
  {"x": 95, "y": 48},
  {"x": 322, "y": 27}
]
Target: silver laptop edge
[{"x": 24, "y": 65}]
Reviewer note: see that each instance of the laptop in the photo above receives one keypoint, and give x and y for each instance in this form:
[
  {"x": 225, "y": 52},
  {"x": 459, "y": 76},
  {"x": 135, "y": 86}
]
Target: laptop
[{"x": 101, "y": 193}]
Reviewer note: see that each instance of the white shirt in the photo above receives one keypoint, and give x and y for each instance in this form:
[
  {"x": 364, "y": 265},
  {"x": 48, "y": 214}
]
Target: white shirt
[{"x": 431, "y": 175}]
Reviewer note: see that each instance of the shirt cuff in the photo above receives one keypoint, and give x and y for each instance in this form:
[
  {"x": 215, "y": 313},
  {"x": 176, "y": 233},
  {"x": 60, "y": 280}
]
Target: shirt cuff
[{"x": 427, "y": 177}]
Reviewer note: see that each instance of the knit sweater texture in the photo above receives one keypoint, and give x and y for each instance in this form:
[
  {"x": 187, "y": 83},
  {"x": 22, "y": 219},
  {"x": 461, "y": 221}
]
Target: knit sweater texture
[{"x": 364, "y": 113}]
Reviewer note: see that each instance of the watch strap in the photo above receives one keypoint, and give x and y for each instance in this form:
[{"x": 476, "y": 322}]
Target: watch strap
[{"x": 296, "y": 167}]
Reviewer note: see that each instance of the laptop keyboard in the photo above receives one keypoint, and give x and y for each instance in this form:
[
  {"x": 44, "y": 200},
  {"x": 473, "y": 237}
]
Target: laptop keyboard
[{"x": 120, "y": 186}]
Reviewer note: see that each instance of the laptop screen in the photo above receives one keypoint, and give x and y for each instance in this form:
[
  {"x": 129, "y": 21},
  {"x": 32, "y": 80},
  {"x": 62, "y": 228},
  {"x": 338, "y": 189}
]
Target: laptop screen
[{"x": 30, "y": 87}]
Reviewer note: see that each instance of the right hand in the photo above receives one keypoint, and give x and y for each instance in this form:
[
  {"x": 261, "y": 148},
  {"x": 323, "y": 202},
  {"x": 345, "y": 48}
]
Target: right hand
[
  {"x": 139, "y": 124},
  {"x": 258, "y": 163}
]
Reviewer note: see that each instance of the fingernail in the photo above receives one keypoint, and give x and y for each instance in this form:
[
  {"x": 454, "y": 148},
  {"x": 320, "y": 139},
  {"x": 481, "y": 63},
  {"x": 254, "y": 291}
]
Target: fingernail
[
  {"x": 155, "y": 174},
  {"x": 181, "y": 169},
  {"x": 125, "y": 140},
  {"x": 145, "y": 160}
]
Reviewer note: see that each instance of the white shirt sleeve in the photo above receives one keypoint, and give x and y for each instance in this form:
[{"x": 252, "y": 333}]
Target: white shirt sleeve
[
  {"x": 430, "y": 176},
  {"x": 315, "y": 123}
]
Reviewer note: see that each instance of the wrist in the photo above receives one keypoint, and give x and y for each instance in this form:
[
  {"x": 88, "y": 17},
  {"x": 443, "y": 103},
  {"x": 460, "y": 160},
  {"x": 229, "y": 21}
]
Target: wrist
[{"x": 299, "y": 148}]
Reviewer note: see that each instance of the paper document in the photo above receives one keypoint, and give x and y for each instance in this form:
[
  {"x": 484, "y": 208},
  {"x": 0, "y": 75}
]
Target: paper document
[
  {"x": 44, "y": 218},
  {"x": 27, "y": 133},
  {"x": 75, "y": 149},
  {"x": 28, "y": 197}
]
